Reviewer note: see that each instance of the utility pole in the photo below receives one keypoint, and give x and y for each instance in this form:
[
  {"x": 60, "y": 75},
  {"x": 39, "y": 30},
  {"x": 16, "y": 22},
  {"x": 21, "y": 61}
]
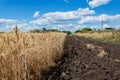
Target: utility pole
[{"x": 102, "y": 24}]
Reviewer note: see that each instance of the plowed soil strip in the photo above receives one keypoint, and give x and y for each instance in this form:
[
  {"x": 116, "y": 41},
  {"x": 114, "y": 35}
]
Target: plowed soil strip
[{"x": 87, "y": 59}]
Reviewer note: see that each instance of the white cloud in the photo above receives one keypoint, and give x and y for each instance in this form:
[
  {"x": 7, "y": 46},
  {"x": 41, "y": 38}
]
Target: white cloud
[
  {"x": 69, "y": 14},
  {"x": 66, "y": 1},
  {"x": 73, "y": 20},
  {"x": 117, "y": 27},
  {"x": 25, "y": 26},
  {"x": 104, "y": 17},
  {"x": 61, "y": 17},
  {"x": 96, "y": 3},
  {"x": 106, "y": 26},
  {"x": 87, "y": 1},
  {"x": 69, "y": 20},
  {"x": 88, "y": 19},
  {"x": 42, "y": 21},
  {"x": 36, "y": 14},
  {"x": 8, "y": 21},
  {"x": 68, "y": 27},
  {"x": 7, "y": 25}
]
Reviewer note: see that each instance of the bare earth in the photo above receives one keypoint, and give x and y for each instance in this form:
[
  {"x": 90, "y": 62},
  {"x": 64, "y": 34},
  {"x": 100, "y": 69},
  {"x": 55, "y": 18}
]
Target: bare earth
[{"x": 87, "y": 59}]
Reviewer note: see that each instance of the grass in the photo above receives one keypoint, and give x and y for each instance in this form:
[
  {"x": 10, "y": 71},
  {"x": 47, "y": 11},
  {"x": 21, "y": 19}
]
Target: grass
[
  {"x": 25, "y": 56},
  {"x": 94, "y": 34},
  {"x": 107, "y": 36},
  {"x": 114, "y": 38}
]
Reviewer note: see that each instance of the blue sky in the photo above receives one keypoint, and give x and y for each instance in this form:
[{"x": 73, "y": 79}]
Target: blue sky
[{"x": 59, "y": 14}]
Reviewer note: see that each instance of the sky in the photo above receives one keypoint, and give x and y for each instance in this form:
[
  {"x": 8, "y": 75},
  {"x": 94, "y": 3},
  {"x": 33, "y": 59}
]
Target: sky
[{"x": 59, "y": 14}]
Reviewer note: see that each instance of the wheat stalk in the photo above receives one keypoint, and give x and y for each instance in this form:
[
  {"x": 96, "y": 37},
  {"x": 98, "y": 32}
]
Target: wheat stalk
[{"x": 26, "y": 55}]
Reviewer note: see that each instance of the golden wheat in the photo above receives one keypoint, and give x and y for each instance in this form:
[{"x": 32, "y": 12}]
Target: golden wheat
[
  {"x": 24, "y": 56},
  {"x": 95, "y": 34}
]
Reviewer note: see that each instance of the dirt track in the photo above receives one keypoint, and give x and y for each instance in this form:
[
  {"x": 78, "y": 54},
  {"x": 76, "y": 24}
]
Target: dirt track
[{"x": 87, "y": 59}]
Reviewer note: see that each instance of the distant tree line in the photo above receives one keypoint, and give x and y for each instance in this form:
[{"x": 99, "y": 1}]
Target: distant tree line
[
  {"x": 90, "y": 30},
  {"x": 44, "y": 30},
  {"x": 69, "y": 32},
  {"x": 48, "y": 30}
]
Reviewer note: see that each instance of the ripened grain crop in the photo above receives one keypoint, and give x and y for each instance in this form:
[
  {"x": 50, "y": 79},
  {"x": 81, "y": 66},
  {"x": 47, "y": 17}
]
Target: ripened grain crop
[
  {"x": 110, "y": 36},
  {"x": 25, "y": 56},
  {"x": 95, "y": 34}
]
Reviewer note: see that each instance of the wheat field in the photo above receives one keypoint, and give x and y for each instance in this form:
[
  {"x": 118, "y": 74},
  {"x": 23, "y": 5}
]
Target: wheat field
[
  {"x": 110, "y": 36},
  {"x": 24, "y": 56},
  {"x": 95, "y": 34}
]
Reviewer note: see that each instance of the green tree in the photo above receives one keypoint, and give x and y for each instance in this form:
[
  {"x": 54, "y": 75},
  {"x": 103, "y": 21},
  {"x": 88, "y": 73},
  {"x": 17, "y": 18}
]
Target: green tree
[
  {"x": 77, "y": 31},
  {"x": 68, "y": 32},
  {"x": 35, "y": 30},
  {"x": 44, "y": 29},
  {"x": 109, "y": 29},
  {"x": 86, "y": 29}
]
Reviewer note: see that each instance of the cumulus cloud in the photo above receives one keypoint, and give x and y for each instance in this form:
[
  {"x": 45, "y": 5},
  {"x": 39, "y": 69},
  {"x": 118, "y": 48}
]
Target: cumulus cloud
[
  {"x": 67, "y": 27},
  {"x": 73, "y": 20},
  {"x": 70, "y": 14},
  {"x": 36, "y": 14},
  {"x": 104, "y": 17},
  {"x": 96, "y": 3},
  {"x": 8, "y": 21},
  {"x": 7, "y": 25},
  {"x": 63, "y": 20},
  {"x": 25, "y": 26},
  {"x": 69, "y": 20},
  {"x": 117, "y": 27},
  {"x": 42, "y": 21},
  {"x": 61, "y": 17},
  {"x": 106, "y": 26}
]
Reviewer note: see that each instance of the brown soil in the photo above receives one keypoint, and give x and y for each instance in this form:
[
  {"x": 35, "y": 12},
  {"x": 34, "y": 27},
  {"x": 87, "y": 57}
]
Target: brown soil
[{"x": 87, "y": 59}]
